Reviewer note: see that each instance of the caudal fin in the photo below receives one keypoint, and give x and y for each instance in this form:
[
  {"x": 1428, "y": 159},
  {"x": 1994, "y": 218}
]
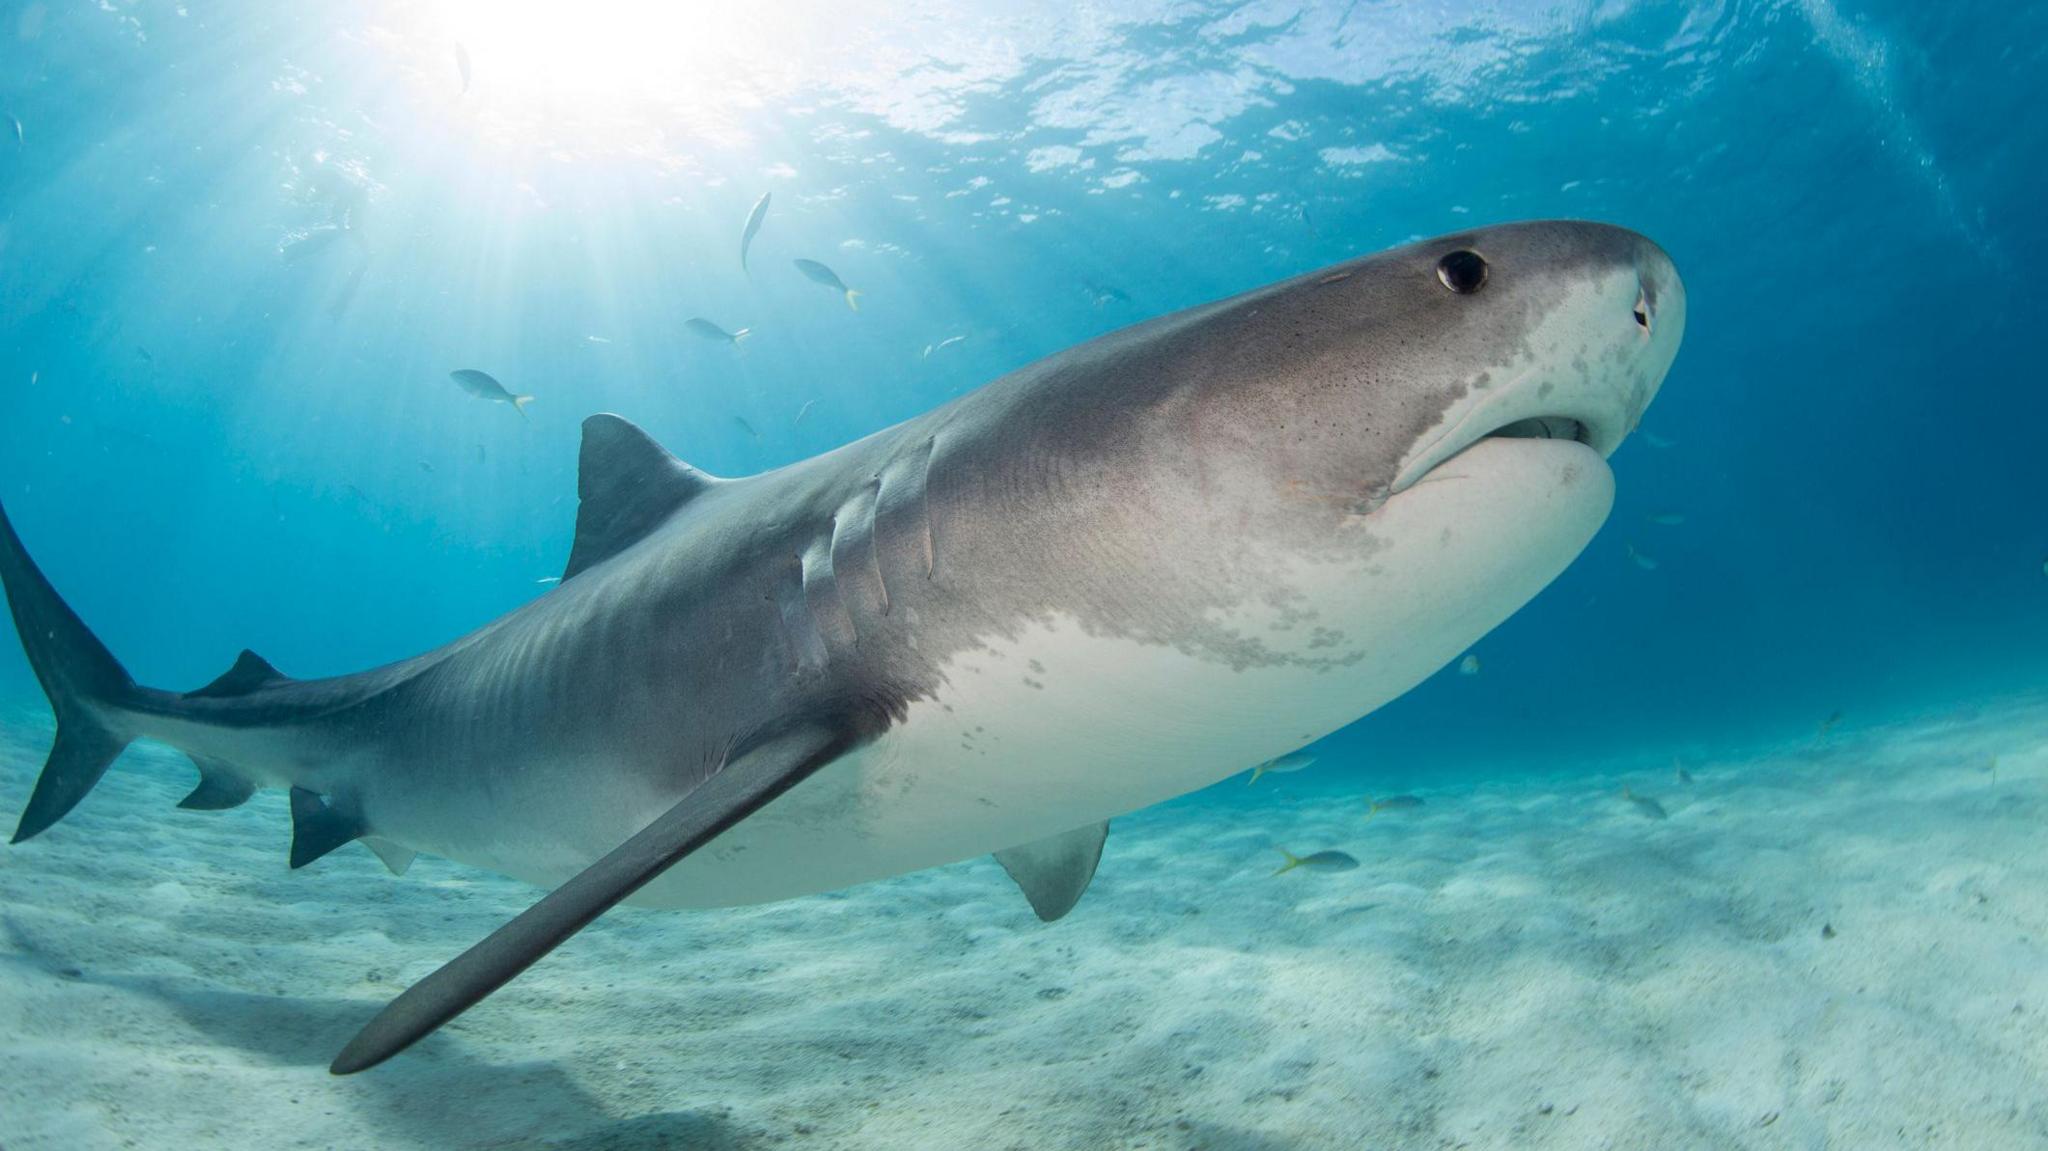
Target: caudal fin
[
  {"x": 1293, "y": 861},
  {"x": 853, "y": 299},
  {"x": 86, "y": 686},
  {"x": 519, "y": 403}
]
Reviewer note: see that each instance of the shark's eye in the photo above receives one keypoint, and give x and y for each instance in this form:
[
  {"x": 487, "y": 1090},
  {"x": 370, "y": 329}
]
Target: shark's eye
[{"x": 1462, "y": 271}]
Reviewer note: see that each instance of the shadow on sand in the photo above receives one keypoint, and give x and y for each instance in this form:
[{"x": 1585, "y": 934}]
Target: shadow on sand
[{"x": 437, "y": 1095}]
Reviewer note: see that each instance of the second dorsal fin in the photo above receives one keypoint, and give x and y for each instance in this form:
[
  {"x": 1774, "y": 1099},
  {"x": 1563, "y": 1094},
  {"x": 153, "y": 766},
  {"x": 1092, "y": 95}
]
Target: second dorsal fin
[
  {"x": 628, "y": 485},
  {"x": 251, "y": 671}
]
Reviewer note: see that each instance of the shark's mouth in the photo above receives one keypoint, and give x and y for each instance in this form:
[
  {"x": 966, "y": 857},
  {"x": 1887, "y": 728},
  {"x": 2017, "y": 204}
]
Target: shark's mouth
[
  {"x": 1599, "y": 432},
  {"x": 1544, "y": 428}
]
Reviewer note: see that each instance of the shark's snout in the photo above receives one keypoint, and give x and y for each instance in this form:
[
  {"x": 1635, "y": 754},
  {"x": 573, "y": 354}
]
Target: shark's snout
[
  {"x": 1659, "y": 315},
  {"x": 1610, "y": 325},
  {"x": 1660, "y": 296}
]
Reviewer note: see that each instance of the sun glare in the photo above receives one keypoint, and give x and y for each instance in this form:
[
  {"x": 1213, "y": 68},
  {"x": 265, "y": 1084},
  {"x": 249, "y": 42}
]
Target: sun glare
[{"x": 610, "y": 67}]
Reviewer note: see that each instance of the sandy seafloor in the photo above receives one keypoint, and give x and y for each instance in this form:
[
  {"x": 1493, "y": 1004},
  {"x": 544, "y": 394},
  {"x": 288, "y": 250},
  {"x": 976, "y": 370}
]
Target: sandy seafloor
[{"x": 1523, "y": 962}]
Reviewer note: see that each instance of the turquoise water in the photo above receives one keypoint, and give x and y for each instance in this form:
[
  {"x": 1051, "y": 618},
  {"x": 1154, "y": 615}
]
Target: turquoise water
[{"x": 243, "y": 245}]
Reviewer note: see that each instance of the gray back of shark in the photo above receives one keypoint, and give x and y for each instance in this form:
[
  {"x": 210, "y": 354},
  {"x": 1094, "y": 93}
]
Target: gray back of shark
[{"x": 1112, "y": 577}]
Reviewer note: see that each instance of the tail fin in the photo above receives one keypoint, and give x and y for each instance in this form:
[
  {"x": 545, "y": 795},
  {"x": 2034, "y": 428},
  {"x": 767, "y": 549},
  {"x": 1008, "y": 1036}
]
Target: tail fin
[
  {"x": 742, "y": 334},
  {"x": 1371, "y": 809},
  {"x": 1293, "y": 861},
  {"x": 1258, "y": 769},
  {"x": 86, "y": 685},
  {"x": 853, "y": 299},
  {"x": 519, "y": 404}
]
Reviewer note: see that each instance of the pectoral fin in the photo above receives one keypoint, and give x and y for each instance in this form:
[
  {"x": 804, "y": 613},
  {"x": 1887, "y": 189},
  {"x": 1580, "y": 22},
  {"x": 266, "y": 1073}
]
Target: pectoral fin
[
  {"x": 1054, "y": 871},
  {"x": 746, "y": 784}
]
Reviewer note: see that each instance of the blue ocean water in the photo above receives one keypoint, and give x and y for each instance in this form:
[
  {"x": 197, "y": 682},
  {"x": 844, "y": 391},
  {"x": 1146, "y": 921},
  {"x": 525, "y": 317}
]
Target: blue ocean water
[
  {"x": 223, "y": 447},
  {"x": 226, "y": 419},
  {"x": 230, "y": 449}
]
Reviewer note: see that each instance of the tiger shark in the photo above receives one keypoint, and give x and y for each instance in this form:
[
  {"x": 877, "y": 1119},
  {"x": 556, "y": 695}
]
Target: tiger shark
[{"x": 1106, "y": 579}]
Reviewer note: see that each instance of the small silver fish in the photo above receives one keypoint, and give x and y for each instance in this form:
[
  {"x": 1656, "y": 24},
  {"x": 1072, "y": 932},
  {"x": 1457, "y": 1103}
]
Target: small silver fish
[
  {"x": 462, "y": 66},
  {"x": 1292, "y": 761},
  {"x": 1320, "y": 861},
  {"x": 1644, "y": 805},
  {"x": 698, "y": 326},
  {"x": 802, "y": 412},
  {"x": 754, "y": 218},
  {"x": 484, "y": 386},
  {"x": 1469, "y": 665},
  {"x": 746, "y": 427},
  {"x": 1659, "y": 442},
  {"x": 818, "y": 273},
  {"x": 548, "y": 579},
  {"x": 1104, "y": 294},
  {"x": 1665, "y": 519},
  {"x": 1647, "y": 563},
  {"x": 597, "y": 339},
  {"x": 1392, "y": 803},
  {"x": 19, "y": 139},
  {"x": 942, "y": 345}
]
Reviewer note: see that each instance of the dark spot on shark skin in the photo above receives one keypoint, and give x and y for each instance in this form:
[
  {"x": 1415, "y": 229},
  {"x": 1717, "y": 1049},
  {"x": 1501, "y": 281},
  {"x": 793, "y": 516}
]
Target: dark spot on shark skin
[
  {"x": 1033, "y": 684},
  {"x": 1544, "y": 389}
]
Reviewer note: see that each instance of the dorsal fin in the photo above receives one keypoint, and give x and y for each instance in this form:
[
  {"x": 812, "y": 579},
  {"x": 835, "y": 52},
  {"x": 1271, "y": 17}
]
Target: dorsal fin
[
  {"x": 628, "y": 485},
  {"x": 250, "y": 672}
]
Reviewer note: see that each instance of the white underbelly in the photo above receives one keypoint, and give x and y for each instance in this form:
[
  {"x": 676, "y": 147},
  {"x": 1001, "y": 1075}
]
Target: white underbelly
[{"x": 1057, "y": 728}]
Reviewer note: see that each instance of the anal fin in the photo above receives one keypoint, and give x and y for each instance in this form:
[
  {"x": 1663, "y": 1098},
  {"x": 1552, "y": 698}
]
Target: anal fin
[
  {"x": 220, "y": 788},
  {"x": 1053, "y": 872},
  {"x": 317, "y": 828}
]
